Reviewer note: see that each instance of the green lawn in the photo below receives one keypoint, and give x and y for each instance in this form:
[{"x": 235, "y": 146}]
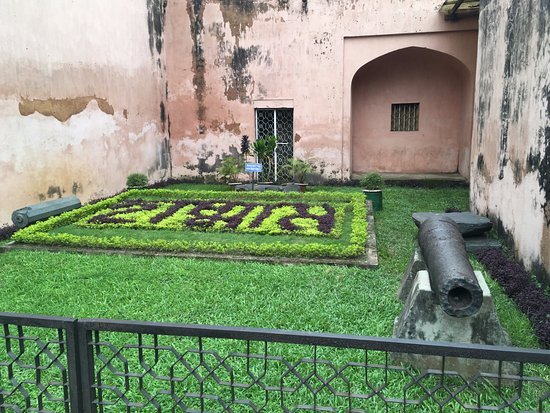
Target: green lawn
[{"x": 299, "y": 297}]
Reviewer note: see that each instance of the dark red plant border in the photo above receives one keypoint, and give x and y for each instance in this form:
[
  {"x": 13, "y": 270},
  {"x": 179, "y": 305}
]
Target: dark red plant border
[
  {"x": 517, "y": 283},
  {"x": 7, "y": 231}
]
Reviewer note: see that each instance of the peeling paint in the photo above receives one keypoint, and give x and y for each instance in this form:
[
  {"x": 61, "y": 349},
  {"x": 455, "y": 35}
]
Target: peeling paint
[
  {"x": 517, "y": 35},
  {"x": 162, "y": 116},
  {"x": 544, "y": 177},
  {"x": 62, "y": 109},
  {"x": 239, "y": 80},
  {"x": 54, "y": 191},
  {"x": 517, "y": 170},
  {"x": 241, "y": 14},
  {"x": 283, "y": 4},
  {"x": 195, "y": 11},
  {"x": 77, "y": 188},
  {"x": 233, "y": 127},
  {"x": 156, "y": 14}
]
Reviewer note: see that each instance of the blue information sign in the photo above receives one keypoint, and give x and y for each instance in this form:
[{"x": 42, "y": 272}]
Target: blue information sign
[{"x": 253, "y": 167}]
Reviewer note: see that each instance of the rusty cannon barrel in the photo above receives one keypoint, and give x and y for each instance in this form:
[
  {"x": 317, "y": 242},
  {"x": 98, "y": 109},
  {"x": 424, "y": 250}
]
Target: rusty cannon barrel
[{"x": 452, "y": 277}]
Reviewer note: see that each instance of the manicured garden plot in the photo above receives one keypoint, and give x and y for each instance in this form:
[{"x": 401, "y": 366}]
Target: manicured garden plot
[
  {"x": 312, "y": 225},
  {"x": 301, "y": 297}
]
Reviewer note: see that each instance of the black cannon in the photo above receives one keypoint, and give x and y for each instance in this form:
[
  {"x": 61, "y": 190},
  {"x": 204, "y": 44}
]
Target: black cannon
[{"x": 452, "y": 277}]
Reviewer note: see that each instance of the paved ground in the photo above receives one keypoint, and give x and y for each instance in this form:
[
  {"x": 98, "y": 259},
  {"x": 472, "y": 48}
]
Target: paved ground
[{"x": 418, "y": 177}]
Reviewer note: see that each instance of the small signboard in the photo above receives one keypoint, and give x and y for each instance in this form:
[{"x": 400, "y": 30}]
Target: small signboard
[{"x": 253, "y": 167}]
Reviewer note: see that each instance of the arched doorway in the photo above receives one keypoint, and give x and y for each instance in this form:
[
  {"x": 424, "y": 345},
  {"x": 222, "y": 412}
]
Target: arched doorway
[{"x": 409, "y": 113}]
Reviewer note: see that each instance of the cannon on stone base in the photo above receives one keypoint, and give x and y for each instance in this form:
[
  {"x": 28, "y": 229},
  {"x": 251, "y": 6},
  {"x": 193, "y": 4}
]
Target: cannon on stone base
[{"x": 446, "y": 300}]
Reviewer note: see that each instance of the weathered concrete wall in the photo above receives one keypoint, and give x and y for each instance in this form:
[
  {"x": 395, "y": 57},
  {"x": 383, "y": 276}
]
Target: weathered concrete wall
[
  {"x": 91, "y": 91},
  {"x": 81, "y": 86},
  {"x": 225, "y": 57},
  {"x": 511, "y": 139}
]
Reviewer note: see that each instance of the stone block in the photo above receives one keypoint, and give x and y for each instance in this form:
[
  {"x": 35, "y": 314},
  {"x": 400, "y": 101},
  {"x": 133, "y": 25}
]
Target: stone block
[
  {"x": 469, "y": 224},
  {"x": 415, "y": 264},
  {"x": 423, "y": 318}
]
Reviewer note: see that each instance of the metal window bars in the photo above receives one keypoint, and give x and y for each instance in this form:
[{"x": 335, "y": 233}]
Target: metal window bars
[
  {"x": 50, "y": 364},
  {"x": 277, "y": 122},
  {"x": 404, "y": 117}
]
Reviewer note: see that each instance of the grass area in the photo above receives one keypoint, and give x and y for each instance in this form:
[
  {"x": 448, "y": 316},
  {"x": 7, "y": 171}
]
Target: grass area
[
  {"x": 299, "y": 297},
  {"x": 311, "y": 297}
]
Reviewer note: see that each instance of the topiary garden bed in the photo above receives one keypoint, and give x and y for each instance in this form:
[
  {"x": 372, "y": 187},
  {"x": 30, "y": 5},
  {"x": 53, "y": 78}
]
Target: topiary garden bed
[{"x": 287, "y": 225}]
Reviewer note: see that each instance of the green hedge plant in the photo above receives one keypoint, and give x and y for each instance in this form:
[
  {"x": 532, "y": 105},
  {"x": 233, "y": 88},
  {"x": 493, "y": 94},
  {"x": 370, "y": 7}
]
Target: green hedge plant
[
  {"x": 372, "y": 181},
  {"x": 136, "y": 180}
]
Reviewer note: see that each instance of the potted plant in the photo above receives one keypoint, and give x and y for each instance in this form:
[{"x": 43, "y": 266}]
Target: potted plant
[
  {"x": 373, "y": 184},
  {"x": 136, "y": 180}
]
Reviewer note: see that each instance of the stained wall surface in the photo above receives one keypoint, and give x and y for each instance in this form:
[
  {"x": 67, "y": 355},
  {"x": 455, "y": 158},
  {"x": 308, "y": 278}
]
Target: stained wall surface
[
  {"x": 81, "y": 88},
  {"x": 225, "y": 58},
  {"x": 511, "y": 138},
  {"x": 91, "y": 91},
  {"x": 434, "y": 80}
]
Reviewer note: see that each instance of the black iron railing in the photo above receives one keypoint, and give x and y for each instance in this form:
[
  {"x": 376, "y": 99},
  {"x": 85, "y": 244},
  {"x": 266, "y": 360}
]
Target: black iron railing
[{"x": 52, "y": 364}]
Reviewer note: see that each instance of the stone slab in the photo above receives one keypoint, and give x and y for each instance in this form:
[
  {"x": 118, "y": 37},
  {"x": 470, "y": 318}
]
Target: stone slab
[
  {"x": 476, "y": 243},
  {"x": 469, "y": 224},
  {"x": 423, "y": 318},
  {"x": 416, "y": 264}
]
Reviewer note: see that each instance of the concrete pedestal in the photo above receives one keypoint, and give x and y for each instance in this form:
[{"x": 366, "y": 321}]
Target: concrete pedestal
[{"x": 423, "y": 319}]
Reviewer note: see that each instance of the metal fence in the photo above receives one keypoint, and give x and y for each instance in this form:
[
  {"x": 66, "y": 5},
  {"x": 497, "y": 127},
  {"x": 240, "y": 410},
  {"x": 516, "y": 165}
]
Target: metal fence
[{"x": 53, "y": 364}]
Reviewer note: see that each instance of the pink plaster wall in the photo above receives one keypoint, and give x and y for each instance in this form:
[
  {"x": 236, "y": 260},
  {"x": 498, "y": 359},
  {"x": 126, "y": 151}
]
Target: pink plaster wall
[
  {"x": 80, "y": 95},
  {"x": 459, "y": 46},
  {"x": 225, "y": 58},
  {"x": 204, "y": 65},
  {"x": 434, "y": 80}
]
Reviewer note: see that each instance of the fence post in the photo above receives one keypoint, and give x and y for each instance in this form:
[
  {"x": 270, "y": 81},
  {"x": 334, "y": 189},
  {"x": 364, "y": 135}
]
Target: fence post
[
  {"x": 75, "y": 387},
  {"x": 85, "y": 365}
]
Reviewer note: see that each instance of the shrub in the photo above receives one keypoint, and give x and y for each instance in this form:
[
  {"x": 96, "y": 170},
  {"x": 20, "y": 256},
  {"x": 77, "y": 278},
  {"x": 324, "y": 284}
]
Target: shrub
[
  {"x": 136, "y": 180},
  {"x": 517, "y": 284},
  {"x": 298, "y": 169},
  {"x": 264, "y": 149},
  {"x": 372, "y": 181},
  {"x": 229, "y": 169},
  {"x": 245, "y": 146},
  {"x": 7, "y": 231}
]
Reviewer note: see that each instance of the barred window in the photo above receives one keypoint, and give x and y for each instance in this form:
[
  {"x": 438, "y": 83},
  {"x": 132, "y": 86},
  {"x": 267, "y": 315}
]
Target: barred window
[{"x": 404, "y": 117}]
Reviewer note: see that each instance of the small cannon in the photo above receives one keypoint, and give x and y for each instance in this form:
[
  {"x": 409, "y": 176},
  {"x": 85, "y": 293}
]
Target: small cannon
[
  {"x": 32, "y": 213},
  {"x": 451, "y": 276}
]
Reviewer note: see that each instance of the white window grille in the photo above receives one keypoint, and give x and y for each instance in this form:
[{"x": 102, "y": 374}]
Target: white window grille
[{"x": 280, "y": 123}]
